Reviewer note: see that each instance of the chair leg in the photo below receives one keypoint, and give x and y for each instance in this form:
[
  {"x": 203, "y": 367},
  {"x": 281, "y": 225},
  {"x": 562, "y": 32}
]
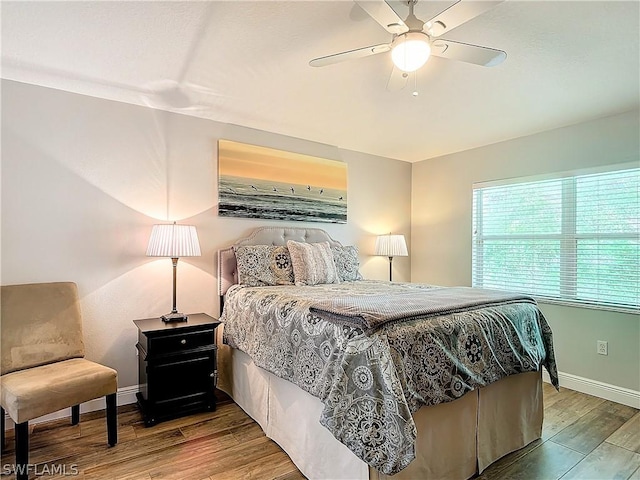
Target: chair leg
[
  {"x": 22, "y": 451},
  {"x": 2, "y": 440},
  {"x": 112, "y": 420},
  {"x": 75, "y": 414}
]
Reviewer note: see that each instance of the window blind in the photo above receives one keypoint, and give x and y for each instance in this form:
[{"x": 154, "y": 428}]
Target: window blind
[{"x": 573, "y": 239}]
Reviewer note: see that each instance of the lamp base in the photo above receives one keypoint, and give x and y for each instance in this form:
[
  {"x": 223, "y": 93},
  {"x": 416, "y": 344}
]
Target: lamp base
[{"x": 174, "y": 317}]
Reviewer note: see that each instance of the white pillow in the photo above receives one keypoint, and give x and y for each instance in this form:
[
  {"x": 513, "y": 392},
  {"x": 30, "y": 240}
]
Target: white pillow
[{"x": 312, "y": 263}]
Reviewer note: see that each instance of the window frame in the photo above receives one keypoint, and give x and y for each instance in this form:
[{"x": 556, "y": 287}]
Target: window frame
[{"x": 568, "y": 237}]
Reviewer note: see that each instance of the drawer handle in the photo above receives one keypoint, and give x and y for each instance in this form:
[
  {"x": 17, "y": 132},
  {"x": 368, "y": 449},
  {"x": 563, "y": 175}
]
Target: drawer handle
[{"x": 183, "y": 341}]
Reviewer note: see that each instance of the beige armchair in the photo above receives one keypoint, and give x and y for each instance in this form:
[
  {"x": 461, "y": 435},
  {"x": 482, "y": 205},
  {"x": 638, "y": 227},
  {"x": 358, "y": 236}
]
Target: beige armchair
[{"x": 42, "y": 364}]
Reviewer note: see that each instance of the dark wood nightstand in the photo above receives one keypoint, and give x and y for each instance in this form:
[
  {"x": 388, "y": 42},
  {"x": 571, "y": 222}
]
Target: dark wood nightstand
[{"x": 177, "y": 366}]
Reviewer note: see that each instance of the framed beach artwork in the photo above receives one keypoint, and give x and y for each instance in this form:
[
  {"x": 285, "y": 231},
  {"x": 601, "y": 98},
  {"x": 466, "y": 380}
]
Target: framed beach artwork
[{"x": 260, "y": 182}]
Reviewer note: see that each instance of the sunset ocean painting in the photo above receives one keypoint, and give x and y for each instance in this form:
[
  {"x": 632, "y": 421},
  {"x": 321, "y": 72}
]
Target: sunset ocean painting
[{"x": 260, "y": 182}]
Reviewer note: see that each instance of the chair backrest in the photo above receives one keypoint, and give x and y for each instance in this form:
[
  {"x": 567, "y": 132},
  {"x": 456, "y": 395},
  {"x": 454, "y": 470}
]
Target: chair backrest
[{"x": 40, "y": 323}]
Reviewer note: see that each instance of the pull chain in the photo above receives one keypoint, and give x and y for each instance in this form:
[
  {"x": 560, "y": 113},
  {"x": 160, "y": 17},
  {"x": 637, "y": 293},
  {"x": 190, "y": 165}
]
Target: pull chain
[{"x": 415, "y": 84}]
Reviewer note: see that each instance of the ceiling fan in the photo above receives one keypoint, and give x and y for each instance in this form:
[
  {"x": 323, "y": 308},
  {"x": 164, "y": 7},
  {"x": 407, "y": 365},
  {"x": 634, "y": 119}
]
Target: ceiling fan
[{"x": 415, "y": 40}]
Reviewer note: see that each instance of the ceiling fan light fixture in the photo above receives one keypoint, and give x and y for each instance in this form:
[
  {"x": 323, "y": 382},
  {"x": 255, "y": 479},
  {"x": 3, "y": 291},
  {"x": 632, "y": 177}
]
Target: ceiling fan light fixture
[{"x": 410, "y": 51}]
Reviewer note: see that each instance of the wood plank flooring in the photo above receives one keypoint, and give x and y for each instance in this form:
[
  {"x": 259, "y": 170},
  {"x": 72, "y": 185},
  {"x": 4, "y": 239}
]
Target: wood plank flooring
[{"x": 584, "y": 437}]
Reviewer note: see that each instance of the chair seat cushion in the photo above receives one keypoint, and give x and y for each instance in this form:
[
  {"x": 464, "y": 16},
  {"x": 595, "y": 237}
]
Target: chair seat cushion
[{"x": 31, "y": 393}]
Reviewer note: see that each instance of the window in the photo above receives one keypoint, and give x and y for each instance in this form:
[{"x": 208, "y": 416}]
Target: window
[{"x": 573, "y": 239}]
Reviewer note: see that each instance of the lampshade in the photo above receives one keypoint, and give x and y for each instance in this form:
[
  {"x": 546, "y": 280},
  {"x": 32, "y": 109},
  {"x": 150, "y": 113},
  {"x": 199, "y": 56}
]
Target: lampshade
[
  {"x": 173, "y": 241},
  {"x": 391, "y": 246},
  {"x": 410, "y": 51}
]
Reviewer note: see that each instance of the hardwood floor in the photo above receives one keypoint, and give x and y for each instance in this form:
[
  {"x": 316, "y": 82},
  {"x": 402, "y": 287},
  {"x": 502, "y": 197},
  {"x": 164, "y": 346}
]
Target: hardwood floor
[{"x": 584, "y": 437}]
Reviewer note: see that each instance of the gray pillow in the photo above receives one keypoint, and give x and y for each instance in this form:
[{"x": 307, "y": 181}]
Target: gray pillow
[
  {"x": 347, "y": 262},
  {"x": 264, "y": 265},
  {"x": 312, "y": 263}
]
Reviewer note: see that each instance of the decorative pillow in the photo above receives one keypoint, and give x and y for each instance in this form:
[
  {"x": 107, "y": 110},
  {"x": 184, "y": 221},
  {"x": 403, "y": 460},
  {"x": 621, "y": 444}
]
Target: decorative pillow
[
  {"x": 347, "y": 263},
  {"x": 312, "y": 263},
  {"x": 264, "y": 265}
]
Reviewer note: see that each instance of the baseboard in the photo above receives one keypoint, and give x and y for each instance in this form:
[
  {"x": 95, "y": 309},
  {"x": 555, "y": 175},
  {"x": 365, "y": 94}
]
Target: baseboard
[
  {"x": 124, "y": 396},
  {"x": 622, "y": 395}
]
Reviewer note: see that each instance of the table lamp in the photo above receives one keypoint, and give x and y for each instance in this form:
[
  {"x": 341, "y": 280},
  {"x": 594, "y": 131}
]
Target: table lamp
[
  {"x": 174, "y": 241},
  {"x": 391, "y": 246}
]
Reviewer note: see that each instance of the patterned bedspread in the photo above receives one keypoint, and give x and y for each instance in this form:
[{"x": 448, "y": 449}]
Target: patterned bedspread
[{"x": 371, "y": 383}]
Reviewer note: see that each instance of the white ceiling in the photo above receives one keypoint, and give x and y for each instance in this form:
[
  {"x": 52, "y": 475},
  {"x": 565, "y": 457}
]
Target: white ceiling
[{"x": 246, "y": 63}]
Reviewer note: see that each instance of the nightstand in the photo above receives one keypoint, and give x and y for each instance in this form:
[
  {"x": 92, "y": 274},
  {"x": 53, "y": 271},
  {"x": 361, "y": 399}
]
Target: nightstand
[{"x": 177, "y": 367}]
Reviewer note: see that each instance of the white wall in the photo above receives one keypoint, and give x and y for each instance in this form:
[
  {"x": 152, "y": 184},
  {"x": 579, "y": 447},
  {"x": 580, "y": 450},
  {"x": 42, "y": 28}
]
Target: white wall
[
  {"x": 83, "y": 180},
  {"x": 441, "y": 232}
]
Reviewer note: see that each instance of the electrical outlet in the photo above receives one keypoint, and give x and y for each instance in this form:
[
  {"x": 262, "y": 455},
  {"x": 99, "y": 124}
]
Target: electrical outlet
[{"x": 602, "y": 347}]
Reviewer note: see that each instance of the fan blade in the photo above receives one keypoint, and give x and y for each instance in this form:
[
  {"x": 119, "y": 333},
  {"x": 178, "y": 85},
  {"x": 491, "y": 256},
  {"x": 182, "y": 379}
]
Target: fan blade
[
  {"x": 460, "y": 12},
  {"x": 382, "y": 13},
  {"x": 463, "y": 52},
  {"x": 349, "y": 55},
  {"x": 397, "y": 80}
]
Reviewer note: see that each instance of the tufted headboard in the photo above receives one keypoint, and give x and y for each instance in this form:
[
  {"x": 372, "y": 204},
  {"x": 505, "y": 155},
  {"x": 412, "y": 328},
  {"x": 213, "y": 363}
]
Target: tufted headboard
[{"x": 227, "y": 267}]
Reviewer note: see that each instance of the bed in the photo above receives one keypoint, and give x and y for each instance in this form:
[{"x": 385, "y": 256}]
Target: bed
[{"x": 376, "y": 400}]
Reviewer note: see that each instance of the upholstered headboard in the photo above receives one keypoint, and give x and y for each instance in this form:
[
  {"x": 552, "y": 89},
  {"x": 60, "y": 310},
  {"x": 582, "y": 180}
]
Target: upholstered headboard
[{"x": 227, "y": 267}]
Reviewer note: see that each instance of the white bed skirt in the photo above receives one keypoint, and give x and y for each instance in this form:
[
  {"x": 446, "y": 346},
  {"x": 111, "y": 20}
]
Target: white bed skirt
[{"x": 455, "y": 440}]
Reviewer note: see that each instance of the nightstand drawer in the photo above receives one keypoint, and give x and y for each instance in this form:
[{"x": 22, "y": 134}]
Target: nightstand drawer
[{"x": 166, "y": 345}]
